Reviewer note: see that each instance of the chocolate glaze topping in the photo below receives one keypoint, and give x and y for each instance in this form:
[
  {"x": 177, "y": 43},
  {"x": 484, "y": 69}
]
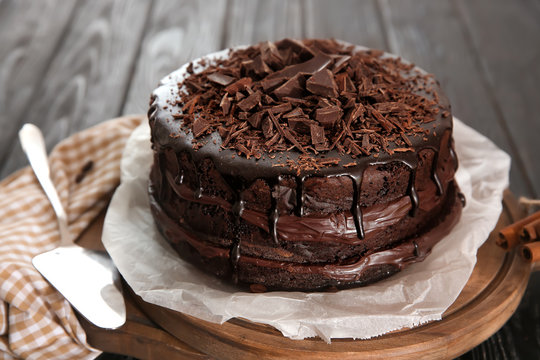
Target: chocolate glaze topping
[{"x": 249, "y": 111}]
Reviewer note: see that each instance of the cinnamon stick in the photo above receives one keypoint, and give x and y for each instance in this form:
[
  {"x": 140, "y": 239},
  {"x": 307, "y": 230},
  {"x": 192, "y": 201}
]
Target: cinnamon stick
[
  {"x": 509, "y": 236},
  {"x": 531, "y": 231},
  {"x": 531, "y": 252}
]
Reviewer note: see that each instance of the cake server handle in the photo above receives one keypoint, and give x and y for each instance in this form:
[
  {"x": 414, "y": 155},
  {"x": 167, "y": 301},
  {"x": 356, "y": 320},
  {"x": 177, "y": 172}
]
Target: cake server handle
[{"x": 33, "y": 146}]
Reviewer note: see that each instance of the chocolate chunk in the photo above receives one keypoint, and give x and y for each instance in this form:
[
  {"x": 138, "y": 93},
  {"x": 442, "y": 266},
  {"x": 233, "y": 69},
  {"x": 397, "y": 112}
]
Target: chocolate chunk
[
  {"x": 220, "y": 78},
  {"x": 340, "y": 62},
  {"x": 238, "y": 86},
  {"x": 200, "y": 125},
  {"x": 270, "y": 55},
  {"x": 250, "y": 102},
  {"x": 301, "y": 125},
  {"x": 259, "y": 66},
  {"x": 281, "y": 108},
  {"x": 225, "y": 104},
  {"x": 322, "y": 83},
  {"x": 294, "y": 87},
  {"x": 328, "y": 116},
  {"x": 297, "y": 112},
  {"x": 317, "y": 135},
  {"x": 267, "y": 127},
  {"x": 255, "y": 119},
  {"x": 297, "y": 47},
  {"x": 239, "y": 96},
  {"x": 317, "y": 63},
  {"x": 345, "y": 84}
]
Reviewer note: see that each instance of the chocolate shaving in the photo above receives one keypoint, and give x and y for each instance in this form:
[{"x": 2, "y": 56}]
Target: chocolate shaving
[
  {"x": 286, "y": 133},
  {"x": 305, "y": 95}
]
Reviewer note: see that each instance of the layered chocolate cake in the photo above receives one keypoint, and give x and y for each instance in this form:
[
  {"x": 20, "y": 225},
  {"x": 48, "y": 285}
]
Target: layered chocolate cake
[{"x": 302, "y": 165}]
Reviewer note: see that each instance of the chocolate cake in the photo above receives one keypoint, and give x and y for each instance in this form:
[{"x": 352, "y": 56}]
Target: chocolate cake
[{"x": 302, "y": 165}]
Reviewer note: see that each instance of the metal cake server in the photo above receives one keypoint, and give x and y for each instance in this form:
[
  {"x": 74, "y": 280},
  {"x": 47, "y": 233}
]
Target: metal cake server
[{"x": 88, "y": 279}]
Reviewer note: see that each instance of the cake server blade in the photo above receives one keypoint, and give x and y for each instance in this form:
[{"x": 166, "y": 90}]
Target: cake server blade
[{"x": 88, "y": 279}]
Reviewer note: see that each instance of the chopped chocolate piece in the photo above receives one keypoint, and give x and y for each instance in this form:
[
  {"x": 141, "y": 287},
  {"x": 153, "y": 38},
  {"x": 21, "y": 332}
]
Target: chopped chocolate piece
[
  {"x": 301, "y": 125},
  {"x": 255, "y": 119},
  {"x": 366, "y": 145},
  {"x": 225, "y": 104},
  {"x": 281, "y": 108},
  {"x": 239, "y": 96},
  {"x": 250, "y": 102},
  {"x": 200, "y": 125},
  {"x": 318, "y": 62},
  {"x": 220, "y": 78},
  {"x": 322, "y": 83},
  {"x": 223, "y": 132},
  {"x": 328, "y": 116},
  {"x": 317, "y": 136},
  {"x": 340, "y": 63},
  {"x": 294, "y": 87},
  {"x": 297, "y": 47},
  {"x": 267, "y": 127},
  {"x": 259, "y": 66},
  {"x": 345, "y": 84},
  {"x": 240, "y": 85},
  {"x": 270, "y": 55},
  {"x": 297, "y": 112}
]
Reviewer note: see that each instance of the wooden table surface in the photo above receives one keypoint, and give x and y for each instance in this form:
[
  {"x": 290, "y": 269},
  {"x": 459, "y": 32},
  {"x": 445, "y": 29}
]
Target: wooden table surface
[{"x": 67, "y": 65}]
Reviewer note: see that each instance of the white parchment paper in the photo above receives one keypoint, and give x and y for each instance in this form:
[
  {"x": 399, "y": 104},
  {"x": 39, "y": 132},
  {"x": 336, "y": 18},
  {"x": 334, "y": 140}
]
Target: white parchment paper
[{"x": 420, "y": 293}]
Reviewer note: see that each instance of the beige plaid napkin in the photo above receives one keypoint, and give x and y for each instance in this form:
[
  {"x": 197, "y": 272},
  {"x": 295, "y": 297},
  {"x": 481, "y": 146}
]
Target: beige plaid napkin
[{"x": 36, "y": 322}]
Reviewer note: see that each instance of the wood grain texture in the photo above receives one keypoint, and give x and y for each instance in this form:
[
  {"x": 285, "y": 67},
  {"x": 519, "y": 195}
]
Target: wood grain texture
[
  {"x": 87, "y": 78},
  {"x": 250, "y": 21},
  {"x": 363, "y": 26},
  {"x": 430, "y": 34},
  {"x": 177, "y": 32},
  {"x": 28, "y": 39},
  {"x": 510, "y": 61}
]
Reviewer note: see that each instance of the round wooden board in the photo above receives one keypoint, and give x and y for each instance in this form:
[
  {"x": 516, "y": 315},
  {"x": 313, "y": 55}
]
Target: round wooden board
[{"x": 490, "y": 297}]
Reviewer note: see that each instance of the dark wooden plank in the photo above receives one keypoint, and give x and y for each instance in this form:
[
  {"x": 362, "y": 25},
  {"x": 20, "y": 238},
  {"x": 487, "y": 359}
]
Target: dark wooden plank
[
  {"x": 510, "y": 56},
  {"x": 250, "y": 21},
  {"x": 357, "y": 22},
  {"x": 430, "y": 33},
  {"x": 87, "y": 78},
  {"x": 171, "y": 39},
  {"x": 28, "y": 39}
]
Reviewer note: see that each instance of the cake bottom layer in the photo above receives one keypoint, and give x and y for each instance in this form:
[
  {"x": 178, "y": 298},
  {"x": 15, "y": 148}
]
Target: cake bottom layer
[{"x": 266, "y": 274}]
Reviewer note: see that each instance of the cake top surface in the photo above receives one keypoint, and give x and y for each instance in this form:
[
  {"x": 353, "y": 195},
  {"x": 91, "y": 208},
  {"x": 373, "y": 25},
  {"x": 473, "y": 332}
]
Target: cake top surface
[{"x": 302, "y": 105}]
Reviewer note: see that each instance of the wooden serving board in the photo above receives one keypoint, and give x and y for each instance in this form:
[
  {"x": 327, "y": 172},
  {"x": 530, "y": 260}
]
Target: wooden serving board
[{"x": 490, "y": 297}]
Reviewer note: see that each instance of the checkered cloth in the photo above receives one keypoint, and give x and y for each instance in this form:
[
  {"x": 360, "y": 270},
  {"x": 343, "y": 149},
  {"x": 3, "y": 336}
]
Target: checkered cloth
[{"x": 36, "y": 322}]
